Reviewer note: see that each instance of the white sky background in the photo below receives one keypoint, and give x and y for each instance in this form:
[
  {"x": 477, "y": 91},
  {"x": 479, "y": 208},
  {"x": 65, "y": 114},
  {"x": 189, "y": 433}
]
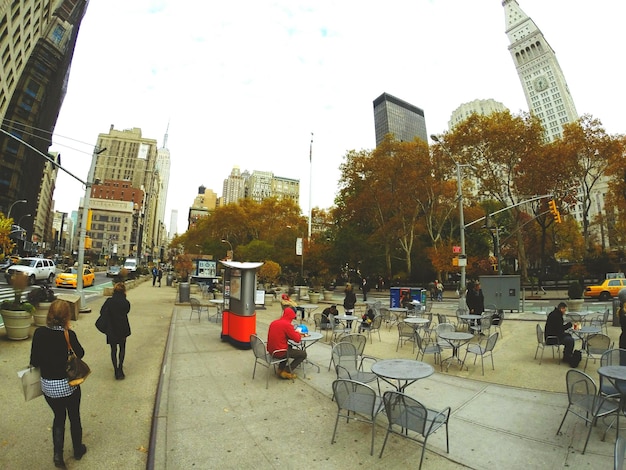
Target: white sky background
[{"x": 246, "y": 82}]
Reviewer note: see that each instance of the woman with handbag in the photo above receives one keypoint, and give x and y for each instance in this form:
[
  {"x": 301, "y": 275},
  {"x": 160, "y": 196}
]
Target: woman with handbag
[
  {"x": 115, "y": 309},
  {"x": 49, "y": 352}
]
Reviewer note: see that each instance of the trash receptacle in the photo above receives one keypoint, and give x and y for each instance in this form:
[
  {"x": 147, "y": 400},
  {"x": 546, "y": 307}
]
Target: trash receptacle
[
  {"x": 183, "y": 292},
  {"x": 169, "y": 279}
]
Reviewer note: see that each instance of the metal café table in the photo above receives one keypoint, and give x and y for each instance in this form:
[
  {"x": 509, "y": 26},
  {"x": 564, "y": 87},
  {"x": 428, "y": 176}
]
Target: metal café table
[
  {"x": 400, "y": 373},
  {"x": 347, "y": 318},
  {"x": 469, "y": 318},
  {"x": 306, "y": 342},
  {"x": 456, "y": 339},
  {"x": 308, "y": 308},
  {"x": 399, "y": 312},
  {"x": 219, "y": 304},
  {"x": 616, "y": 375}
]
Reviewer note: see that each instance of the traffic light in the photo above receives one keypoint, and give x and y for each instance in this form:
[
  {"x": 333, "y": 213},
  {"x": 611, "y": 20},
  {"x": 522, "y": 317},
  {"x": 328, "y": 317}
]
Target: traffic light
[
  {"x": 554, "y": 211},
  {"x": 552, "y": 206}
]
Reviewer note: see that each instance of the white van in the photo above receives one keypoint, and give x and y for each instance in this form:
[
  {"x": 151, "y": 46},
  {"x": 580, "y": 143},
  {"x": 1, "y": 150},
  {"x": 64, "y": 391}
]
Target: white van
[{"x": 131, "y": 266}]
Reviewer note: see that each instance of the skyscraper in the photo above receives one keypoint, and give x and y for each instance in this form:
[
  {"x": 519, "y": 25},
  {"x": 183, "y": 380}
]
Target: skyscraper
[
  {"x": 544, "y": 84},
  {"x": 395, "y": 116},
  {"x": 37, "y": 39}
]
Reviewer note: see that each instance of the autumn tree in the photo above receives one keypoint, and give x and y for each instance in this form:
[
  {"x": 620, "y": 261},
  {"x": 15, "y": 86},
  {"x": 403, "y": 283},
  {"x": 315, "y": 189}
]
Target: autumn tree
[
  {"x": 594, "y": 150},
  {"x": 496, "y": 148},
  {"x": 6, "y": 244}
]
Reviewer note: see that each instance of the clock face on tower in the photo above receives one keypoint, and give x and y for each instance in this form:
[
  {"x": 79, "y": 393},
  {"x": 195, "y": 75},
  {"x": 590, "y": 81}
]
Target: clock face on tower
[{"x": 541, "y": 83}]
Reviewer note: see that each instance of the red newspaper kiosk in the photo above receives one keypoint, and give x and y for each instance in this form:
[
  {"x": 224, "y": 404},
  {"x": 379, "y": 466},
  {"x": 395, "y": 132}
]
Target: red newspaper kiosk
[{"x": 239, "y": 315}]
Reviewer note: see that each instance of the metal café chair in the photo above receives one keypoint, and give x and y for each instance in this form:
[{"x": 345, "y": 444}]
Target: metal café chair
[
  {"x": 197, "y": 307},
  {"x": 482, "y": 351},
  {"x": 263, "y": 357},
  {"x": 552, "y": 341}
]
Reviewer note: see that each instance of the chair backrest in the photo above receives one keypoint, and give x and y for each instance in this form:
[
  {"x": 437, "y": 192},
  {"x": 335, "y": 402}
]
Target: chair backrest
[
  {"x": 359, "y": 342},
  {"x": 317, "y": 319},
  {"x": 598, "y": 344},
  {"x": 258, "y": 347},
  {"x": 441, "y": 318},
  {"x": 405, "y": 330},
  {"x": 405, "y": 412},
  {"x": 491, "y": 342},
  {"x": 613, "y": 357},
  {"x": 485, "y": 322},
  {"x": 195, "y": 303},
  {"x": 575, "y": 317},
  {"x": 385, "y": 314},
  {"x": 490, "y": 308},
  {"x": 345, "y": 355},
  {"x": 442, "y": 327},
  {"x": 540, "y": 338},
  {"x": 376, "y": 322},
  {"x": 619, "y": 453},
  {"x": 580, "y": 387},
  {"x": 355, "y": 396}
]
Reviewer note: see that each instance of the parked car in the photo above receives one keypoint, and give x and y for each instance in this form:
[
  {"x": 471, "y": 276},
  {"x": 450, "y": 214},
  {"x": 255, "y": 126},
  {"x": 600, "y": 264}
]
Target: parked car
[
  {"x": 5, "y": 264},
  {"x": 113, "y": 271},
  {"x": 605, "y": 291},
  {"x": 37, "y": 269},
  {"x": 68, "y": 278}
]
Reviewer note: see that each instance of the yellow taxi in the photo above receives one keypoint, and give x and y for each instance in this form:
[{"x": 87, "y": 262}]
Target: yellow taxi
[
  {"x": 603, "y": 292},
  {"x": 68, "y": 278}
]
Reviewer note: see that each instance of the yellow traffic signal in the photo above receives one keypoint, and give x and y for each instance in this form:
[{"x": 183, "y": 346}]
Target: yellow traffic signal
[
  {"x": 557, "y": 217},
  {"x": 88, "y": 221},
  {"x": 552, "y": 206}
]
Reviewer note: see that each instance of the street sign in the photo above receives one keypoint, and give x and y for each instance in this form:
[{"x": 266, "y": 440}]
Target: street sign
[{"x": 456, "y": 249}]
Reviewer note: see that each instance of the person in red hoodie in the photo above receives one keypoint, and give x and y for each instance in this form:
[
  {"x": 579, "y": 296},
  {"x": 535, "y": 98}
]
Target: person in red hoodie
[{"x": 278, "y": 336}]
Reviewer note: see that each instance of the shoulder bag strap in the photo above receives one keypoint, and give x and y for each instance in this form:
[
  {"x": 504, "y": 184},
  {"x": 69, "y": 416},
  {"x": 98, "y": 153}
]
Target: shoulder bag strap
[{"x": 67, "y": 340}]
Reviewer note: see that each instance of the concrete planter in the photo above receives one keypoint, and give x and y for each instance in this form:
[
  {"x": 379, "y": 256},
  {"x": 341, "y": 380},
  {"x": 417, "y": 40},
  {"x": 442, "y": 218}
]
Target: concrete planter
[
  {"x": 269, "y": 299},
  {"x": 314, "y": 297},
  {"x": 328, "y": 295},
  {"x": 575, "y": 305},
  {"x": 41, "y": 313},
  {"x": 17, "y": 323},
  {"x": 107, "y": 291}
]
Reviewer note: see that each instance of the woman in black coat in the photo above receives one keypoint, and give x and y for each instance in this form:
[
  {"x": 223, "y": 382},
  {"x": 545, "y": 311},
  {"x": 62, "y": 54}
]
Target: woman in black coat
[
  {"x": 115, "y": 311},
  {"x": 49, "y": 353}
]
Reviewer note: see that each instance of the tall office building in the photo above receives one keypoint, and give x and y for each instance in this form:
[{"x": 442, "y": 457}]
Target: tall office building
[
  {"x": 37, "y": 39},
  {"x": 173, "y": 223},
  {"x": 395, "y": 116},
  {"x": 127, "y": 156},
  {"x": 234, "y": 187},
  {"x": 482, "y": 107},
  {"x": 544, "y": 84}
]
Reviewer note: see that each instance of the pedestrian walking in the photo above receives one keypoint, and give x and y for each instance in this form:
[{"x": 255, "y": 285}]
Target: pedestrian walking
[
  {"x": 49, "y": 353},
  {"x": 155, "y": 273},
  {"x": 116, "y": 309},
  {"x": 159, "y": 275}
]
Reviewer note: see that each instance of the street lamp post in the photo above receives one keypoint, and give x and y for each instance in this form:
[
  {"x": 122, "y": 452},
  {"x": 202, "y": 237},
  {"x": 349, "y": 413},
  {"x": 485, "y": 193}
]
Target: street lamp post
[
  {"x": 21, "y": 201},
  {"x": 232, "y": 252},
  {"x": 459, "y": 192}
]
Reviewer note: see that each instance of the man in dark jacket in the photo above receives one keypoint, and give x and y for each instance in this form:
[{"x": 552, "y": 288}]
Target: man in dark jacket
[
  {"x": 556, "y": 328},
  {"x": 278, "y": 336}
]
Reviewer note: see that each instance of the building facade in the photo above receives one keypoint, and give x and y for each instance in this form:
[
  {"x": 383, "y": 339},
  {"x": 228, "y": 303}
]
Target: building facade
[
  {"x": 546, "y": 90},
  {"x": 37, "y": 40},
  {"x": 129, "y": 157},
  {"x": 482, "y": 107},
  {"x": 395, "y": 116}
]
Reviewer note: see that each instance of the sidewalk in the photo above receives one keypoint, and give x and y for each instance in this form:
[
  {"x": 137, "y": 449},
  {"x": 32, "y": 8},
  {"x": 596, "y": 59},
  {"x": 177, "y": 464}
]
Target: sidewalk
[{"x": 211, "y": 414}]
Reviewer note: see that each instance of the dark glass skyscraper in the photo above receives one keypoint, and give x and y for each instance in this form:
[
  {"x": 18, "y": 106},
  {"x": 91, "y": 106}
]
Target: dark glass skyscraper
[{"x": 395, "y": 116}]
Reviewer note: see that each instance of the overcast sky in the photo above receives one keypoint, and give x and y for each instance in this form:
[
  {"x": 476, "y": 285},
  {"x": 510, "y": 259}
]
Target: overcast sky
[{"x": 246, "y": 82}]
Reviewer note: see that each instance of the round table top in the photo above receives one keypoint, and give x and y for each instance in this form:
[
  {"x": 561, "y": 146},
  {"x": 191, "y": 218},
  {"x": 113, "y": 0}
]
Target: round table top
[
  {"x": 455, "y": 335},
  {"x": 469, "y": 316},
  {"x": 217, "y": 301},
  {"x": 588, "y": 330},
  {"x": 580, "y": 314},
  {"x": 312, "y": 336},
  {"x": 613, "y": 372},
  {"x": 402, "y": 369},
  {"x": 346, "y": 317},
  {"x": 398, "y": 309},
  {"x": 416, "y": 320},
  {"x": 308, "y": 306}
]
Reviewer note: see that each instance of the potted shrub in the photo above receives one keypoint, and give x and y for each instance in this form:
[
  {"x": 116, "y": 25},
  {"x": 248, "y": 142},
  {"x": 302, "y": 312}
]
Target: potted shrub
[
  {"x": 575, "y": 293},
  {"x": 41, "y": 298},
  {"x": 17, "y": 315}
]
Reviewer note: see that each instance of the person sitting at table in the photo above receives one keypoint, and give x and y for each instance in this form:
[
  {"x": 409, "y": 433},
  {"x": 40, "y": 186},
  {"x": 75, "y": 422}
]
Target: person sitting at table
[
  {"x": 556, "y": 328},
  {"x": 280, "y": 332},
  {"x": 332, "y": 310},
  {"x": 286, "y": 301},
  {"x": 366, "y": 320},
  {"x": 406, "y": 301}
]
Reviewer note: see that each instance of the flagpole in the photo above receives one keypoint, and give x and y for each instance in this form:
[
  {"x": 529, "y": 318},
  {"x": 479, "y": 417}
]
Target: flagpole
[{"x": 310, "y": 182}]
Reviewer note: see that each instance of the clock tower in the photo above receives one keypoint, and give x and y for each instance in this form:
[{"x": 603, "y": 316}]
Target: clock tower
[{"x": 544, "y": 84}]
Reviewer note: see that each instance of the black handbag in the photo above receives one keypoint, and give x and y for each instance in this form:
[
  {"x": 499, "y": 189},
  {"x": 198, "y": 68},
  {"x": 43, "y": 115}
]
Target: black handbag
[
  {"x": 103, "y": 322},
  {"x": 77, "y": 370}
]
